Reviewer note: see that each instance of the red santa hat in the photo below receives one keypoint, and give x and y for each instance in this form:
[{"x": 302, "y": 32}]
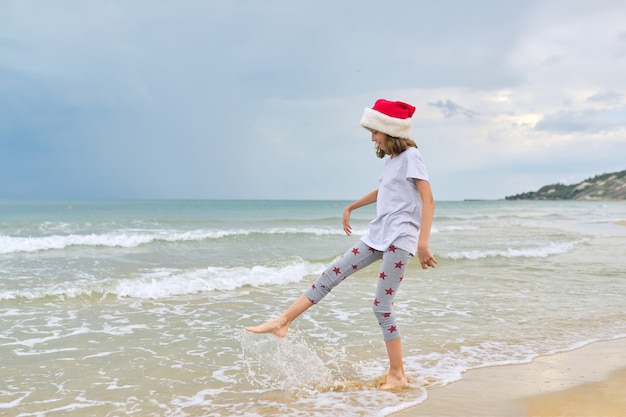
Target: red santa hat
[{"x": 390, "y": 117}]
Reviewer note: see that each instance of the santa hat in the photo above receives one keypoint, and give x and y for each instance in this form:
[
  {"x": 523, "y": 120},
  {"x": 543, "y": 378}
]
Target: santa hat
[{"x": 390, "y": 117}]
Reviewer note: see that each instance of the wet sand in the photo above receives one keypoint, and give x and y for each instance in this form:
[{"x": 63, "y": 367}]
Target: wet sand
[{"x": 589, "y": 381}]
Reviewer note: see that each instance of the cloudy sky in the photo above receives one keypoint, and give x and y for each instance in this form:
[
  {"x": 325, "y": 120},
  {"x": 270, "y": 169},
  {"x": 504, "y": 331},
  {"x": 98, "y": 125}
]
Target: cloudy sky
[{"x": 262, "y": 99}]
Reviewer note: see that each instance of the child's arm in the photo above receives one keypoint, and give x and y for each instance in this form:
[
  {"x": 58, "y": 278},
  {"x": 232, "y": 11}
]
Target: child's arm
[
  {"x": 363, "y": 201},
  {"x": 424, "y": 255}
]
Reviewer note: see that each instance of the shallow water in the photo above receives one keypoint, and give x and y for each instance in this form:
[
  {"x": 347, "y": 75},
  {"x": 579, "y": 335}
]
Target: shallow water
[{"x": 138, "y": 307}]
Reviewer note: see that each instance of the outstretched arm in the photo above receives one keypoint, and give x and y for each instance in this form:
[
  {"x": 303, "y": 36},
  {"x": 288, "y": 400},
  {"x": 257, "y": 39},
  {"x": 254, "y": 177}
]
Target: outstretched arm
[
  {"x": 424, "y": 255},
  {"x": 363, "y": 201}
]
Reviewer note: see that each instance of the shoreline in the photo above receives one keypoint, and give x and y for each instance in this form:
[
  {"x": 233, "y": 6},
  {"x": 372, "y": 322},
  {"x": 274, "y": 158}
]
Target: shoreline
[{"x": 584, "y": 382}]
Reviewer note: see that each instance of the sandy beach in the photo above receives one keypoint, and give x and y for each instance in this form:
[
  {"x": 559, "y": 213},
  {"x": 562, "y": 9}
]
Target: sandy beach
[
  {"x": 621, "y": 222},
  {"x": 589, "y": 381}
]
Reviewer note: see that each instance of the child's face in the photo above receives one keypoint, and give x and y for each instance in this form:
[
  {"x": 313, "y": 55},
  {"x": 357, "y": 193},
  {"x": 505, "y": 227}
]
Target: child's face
[{"x": 380, "y": 139}]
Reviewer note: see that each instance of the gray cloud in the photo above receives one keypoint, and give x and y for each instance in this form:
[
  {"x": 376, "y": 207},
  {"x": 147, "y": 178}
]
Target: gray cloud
[
  {"x": 450, "y": 109},
  {"x": 609, "y": 97},
  {"x": 589, "y": 121}
]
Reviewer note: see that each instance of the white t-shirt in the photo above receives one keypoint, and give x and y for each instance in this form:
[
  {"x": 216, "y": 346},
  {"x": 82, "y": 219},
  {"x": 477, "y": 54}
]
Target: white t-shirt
[{"x": 398, "y": 205}]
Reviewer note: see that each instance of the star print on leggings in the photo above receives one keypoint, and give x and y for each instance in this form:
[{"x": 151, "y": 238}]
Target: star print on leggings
[{"x": 359, "y": 256}]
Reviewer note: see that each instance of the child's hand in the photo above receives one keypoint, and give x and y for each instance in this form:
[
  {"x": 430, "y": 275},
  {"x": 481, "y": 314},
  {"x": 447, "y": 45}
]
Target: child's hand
[
  {"x": 426, "y": 257},
  {"x": 345, "y": 221}
]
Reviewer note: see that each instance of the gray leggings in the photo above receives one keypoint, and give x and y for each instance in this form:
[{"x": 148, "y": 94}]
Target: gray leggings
[{"x": 390, "y": 275}]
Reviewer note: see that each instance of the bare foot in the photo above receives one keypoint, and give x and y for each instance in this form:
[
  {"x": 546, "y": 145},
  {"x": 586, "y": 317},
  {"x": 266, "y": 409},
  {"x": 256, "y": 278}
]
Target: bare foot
[
  {"x": 278, "y": 327},
  {"x": 394, "y": 381}
]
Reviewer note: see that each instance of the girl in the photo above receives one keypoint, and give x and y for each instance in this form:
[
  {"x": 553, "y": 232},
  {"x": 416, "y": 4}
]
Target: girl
[{"x": 404, "y": 214}]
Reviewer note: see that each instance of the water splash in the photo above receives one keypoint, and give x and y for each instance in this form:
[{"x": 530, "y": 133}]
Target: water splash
[{"x": 284, "y": 363}]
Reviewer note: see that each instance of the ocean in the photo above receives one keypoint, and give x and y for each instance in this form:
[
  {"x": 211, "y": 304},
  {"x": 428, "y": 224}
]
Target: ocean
[{"x": 138, "y": 308}]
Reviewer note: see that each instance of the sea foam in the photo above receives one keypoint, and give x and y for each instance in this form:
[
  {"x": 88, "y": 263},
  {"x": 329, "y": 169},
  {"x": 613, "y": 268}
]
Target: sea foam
[
  {"x": 165, "y": 282},
  {"x": 553, "y": 248},
  {"x": 134, "y": 238},
  {"x": 168, "y": 283}
]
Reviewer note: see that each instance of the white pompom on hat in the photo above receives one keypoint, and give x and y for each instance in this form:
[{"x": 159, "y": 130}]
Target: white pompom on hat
[{"x": 390, "y": 117}]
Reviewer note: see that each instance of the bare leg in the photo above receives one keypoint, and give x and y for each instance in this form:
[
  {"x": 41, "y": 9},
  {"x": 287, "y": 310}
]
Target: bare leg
[
  {"x": 396, "y": 376},
  {"x": 280, "y": 325}
]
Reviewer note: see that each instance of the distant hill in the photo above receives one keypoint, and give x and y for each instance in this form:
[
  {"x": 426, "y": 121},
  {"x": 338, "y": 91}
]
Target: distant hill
[{"x": 601, "y": 187}]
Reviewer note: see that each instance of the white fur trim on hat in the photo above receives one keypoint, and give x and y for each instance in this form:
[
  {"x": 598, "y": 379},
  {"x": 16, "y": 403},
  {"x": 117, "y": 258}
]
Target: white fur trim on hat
[{"x": 375, "y": 120}]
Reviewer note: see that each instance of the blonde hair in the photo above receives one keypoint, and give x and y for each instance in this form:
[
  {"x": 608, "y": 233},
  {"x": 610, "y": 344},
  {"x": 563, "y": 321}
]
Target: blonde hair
[{"x": 395, "y": 146}]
